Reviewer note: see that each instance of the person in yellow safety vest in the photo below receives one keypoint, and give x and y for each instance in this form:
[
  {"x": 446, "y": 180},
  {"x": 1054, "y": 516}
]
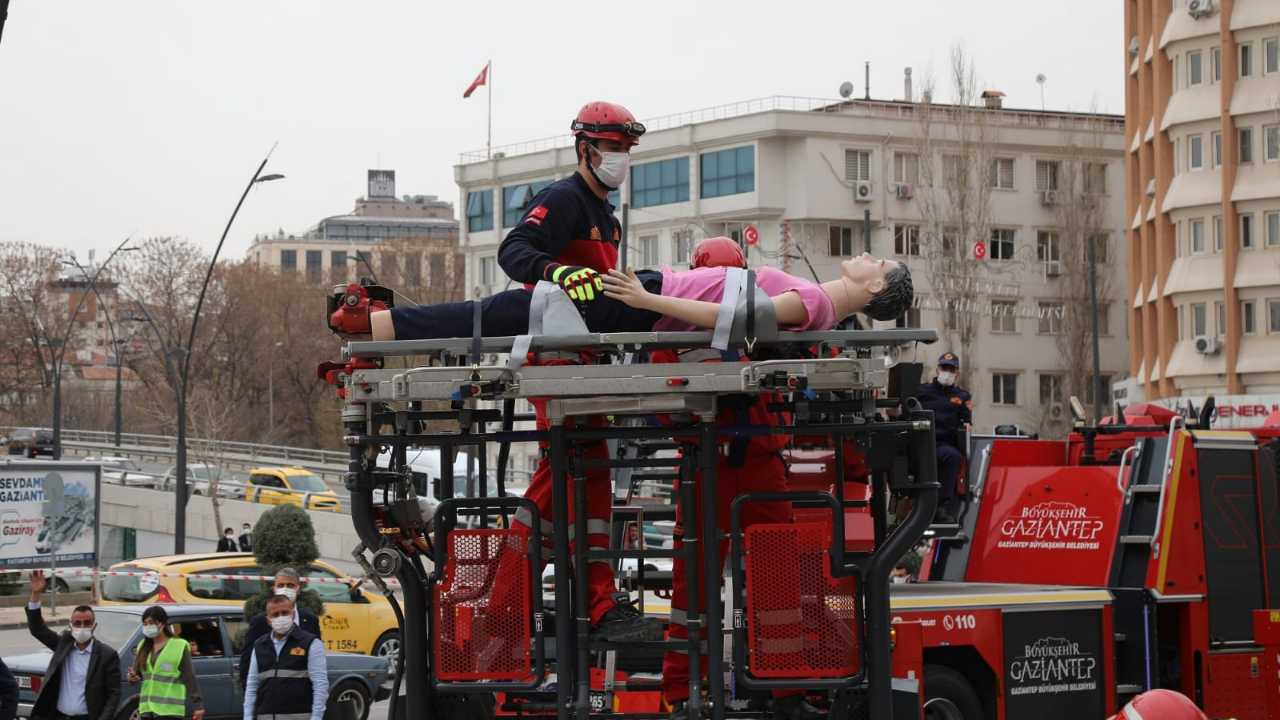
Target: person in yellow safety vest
[{"x": 163, "y": 663}]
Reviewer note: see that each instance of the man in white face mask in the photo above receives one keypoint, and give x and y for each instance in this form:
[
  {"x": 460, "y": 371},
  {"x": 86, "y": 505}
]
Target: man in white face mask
[
  {"x": 288, "y": 584},
  {"x": 83, "y": 679},
  {"x": 287, "y": 674},
  {"x": 952, "y": 411}
]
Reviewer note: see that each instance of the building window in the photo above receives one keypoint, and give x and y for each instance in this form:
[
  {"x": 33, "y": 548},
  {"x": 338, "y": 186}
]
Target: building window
[
  {"x": 1246, "y": 145},
  {"x": 1199, "y": 321},
  {"x": 488, "y": 271},
  {"x": 1273, "y": 313},
  {"x": 1004, "y": 317},
  {"x": 906, "y": 168},
  {"x": 660, "y": 183},
  {"x": 1273, "y": 229},
  {"x": 1195, "y": 74},
  {"x": 1246, "y": 60},
  {"x": 1197, "y": 236},
  {"x": 315, "y": 263},
  {"x": 1271, "y": 142},
  {"x": 1050, "y": 389},
  {"x": 480, "y": 210},
  {"x": 1249, "y": 315},
  {"x": 1002, "y": 246},
  {"x": 1104, "y": 318},
  {"x": 1271, "y": 56},
  {"x": 338, "y": 260},
  {"x": 1216, "y": 53},
  {"x": 910, "y": 318},
  {"x": 1217, "y": 149},
  {"x": 1221, "y": 312},
  {"x": 649, "y": 251},
  {"x": 1104, "y": 381},
  {"x": 906, "y": 240},
  {"x": 1101, "y": 248},
  {"x": 515, "y": 199},
  {"x": 289, "y": 260},
  {"x": 1218, "y": 239},
  {"x": 951, "y": 316},
  {"x": 1048, "y": 252},
  {"x": 1047, "y": 172},
  {"x": 729, "y": 172},
  {"x": 1002, "y": 173},
  {"x": 1195, "y": 154},
  {"x": 1246, "y": 231},
  {"x": 1004, "y": 389},
  {"x": 1050, "y": 318},
  {"x": 857, "y": 165},
  {"x": 840, "y": 243},
  {"x": 1095, "y": 178},
  {"x": 682, "y": 246},
  {"x": 954, "y": 170}
]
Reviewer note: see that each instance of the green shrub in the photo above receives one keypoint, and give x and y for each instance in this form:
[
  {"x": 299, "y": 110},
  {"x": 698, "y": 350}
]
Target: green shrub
[{"x": 284, "y": 537}]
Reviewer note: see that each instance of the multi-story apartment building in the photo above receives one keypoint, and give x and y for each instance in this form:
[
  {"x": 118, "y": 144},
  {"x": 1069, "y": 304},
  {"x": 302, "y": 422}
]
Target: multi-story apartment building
[
  {"x": 814, "y": 178},
  {"x": 410, "y": 243},
  {"x": 1203, "y": 176}
]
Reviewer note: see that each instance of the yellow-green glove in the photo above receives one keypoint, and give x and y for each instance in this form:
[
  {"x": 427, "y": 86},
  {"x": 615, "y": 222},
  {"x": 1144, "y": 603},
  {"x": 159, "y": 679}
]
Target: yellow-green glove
[{"x": 581, "y": 283}]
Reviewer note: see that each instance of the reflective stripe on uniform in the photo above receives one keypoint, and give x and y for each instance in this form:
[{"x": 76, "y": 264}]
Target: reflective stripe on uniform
[
  {"x": 162, "y": 691},
  {"x": 683, "y": 648},
  {"x": 274, "y": 673}
]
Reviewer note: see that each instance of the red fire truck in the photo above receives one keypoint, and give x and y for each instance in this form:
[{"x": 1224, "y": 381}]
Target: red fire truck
[{"x": 1131, "y": 556}]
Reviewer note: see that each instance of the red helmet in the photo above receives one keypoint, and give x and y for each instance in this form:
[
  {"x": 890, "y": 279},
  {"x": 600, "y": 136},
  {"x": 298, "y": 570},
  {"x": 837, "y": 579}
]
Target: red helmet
[
  {"x": 607, "y": 121},
  {"x": 1162, "y": 704},
  {"x": 717, "y": 252}
]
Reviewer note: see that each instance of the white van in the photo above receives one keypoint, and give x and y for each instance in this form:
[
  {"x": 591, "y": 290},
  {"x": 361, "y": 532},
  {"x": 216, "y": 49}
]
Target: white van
[{"x": 425, "y": 465}]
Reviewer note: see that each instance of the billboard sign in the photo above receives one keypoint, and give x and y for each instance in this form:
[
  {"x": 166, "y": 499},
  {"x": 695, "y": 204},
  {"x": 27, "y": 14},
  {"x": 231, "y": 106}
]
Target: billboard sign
[{"x": 49, "y": 512}]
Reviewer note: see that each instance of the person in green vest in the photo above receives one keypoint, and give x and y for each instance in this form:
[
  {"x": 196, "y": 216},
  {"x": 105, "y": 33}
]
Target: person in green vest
[{"x": 163, "y": 663}]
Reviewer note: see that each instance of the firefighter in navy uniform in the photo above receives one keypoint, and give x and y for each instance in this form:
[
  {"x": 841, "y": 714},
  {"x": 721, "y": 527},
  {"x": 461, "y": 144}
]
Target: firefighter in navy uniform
[
  {"x": 952, "y": 411},
  {"x": 288, "y": 678},
  {"x": 569, "y": 235}
]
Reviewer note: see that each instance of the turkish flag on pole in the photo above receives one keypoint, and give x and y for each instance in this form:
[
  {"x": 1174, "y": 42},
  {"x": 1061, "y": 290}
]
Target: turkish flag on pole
[{"x": 478, "y": 81}]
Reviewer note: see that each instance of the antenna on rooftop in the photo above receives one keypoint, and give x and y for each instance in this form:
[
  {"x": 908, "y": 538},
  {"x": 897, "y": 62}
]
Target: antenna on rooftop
[
  {"x": 1040, "y": 81},
  {"x": 846, "y": 89},
  {"x": 868, "y": 96}
]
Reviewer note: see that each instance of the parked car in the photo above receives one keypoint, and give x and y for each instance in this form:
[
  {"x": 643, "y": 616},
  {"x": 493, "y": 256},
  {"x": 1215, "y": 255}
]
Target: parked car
[
  {"x": 288, "y": 486},
  {"x": 216, "y": 634},
  {"x": 122, "y": 471},
  {"x": 68, "y": 579},
  {"x": 353, "y": 620},
  {"x": 31, "y": 442},
  {"x": 198, "y": 477}
]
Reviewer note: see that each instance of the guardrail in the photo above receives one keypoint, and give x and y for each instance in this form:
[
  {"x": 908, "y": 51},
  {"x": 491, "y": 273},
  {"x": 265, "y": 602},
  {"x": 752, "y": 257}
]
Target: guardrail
[
  {"x": 292, "y": 455},
  {"x": 320, "y": 501}
]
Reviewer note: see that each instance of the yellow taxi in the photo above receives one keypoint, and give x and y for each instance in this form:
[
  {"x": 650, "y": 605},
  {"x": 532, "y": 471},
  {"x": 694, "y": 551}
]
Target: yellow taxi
[
  {"x": 353, "y": 620},
  {"x": 288, "y": 486}
]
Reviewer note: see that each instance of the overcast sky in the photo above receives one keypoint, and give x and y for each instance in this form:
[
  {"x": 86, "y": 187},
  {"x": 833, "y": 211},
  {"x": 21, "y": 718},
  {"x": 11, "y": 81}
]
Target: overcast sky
[{"x": 151, "y": 116}]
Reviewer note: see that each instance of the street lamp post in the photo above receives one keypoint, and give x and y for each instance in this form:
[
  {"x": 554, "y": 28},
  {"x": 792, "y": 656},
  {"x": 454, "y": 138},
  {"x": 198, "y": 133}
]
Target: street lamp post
[
  {"x": 271, "y": 392},
  {"x": 180, "y": 501},
  {"x": 169, "y": 353},
  {"x": 62, "y": 351}
]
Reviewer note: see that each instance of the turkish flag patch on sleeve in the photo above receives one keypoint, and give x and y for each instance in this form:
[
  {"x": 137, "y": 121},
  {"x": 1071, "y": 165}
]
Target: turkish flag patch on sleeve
[{"x": 536, "y": 215}]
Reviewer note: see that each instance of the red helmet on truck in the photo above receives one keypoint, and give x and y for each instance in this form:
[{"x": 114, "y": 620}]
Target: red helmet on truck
[
  {"x": 601, "y": 120},
  {"x": 1160, "y": 705},
  {"x": 717, "y": 252}
]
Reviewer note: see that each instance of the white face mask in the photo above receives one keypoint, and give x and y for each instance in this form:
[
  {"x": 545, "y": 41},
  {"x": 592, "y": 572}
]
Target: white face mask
[
  {"x": 287, "y": 592},
  {"x": 82, "y": 635},
  {"x": 282, "y": 625},
  {"x": 946, "y": 379},
  {"x": 229, "y": 535},
  {"x": 613, "y": 168},
  {"x": 900, "y": 580},
  {"x": 151, "y": 631}
]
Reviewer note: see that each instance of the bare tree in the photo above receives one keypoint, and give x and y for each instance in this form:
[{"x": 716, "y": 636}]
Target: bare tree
[
  {"x": 31, "y": 329},
  {"x": 956, "y": 148}
]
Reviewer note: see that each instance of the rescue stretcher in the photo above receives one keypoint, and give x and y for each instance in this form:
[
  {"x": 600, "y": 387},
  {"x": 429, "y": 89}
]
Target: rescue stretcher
[{"x": 833, "y": 385}]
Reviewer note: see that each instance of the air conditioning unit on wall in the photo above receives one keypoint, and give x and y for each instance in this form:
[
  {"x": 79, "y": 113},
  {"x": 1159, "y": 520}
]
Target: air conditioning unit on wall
[
  {"x": 1056, "y": 411},
  {"x": 1200, "y": 8},
  {"x": 1048, "y": 197},
  {"x": 862, "y": 192},
  {"x": 1207, "y": 345},
  {"x": 906, "y": 192}
]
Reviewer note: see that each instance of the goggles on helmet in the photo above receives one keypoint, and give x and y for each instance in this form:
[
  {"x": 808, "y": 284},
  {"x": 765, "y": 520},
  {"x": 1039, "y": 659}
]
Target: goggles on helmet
[{"x": 630, "y": 129}]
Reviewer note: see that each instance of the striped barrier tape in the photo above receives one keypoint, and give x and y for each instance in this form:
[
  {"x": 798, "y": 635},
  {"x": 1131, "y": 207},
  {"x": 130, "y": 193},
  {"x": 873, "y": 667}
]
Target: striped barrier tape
[{"x": 197, "y": 576}]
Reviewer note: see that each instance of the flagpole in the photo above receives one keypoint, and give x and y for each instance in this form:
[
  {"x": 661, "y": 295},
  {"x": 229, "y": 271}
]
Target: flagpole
[{"x": 489, "y": 82}]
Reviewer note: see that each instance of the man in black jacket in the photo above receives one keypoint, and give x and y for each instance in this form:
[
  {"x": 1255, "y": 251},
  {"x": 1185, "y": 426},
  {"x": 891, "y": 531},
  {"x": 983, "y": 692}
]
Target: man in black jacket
[
  {"x": 83, "y": 679},
  {"x": 8, "y": 693},
  {"x": 287, "y": 584}
]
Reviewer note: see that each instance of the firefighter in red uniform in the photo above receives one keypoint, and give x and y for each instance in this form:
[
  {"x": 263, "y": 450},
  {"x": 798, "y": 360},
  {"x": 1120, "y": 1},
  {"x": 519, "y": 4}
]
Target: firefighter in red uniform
[
  {"x": 569, "y": 235},
  {"x": 1160, "y": 705},
  {"x": 745, "y": 465}
]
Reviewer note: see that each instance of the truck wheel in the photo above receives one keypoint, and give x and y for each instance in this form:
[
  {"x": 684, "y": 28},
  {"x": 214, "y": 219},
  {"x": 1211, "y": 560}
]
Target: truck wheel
[{"x": 949, "y": 696}]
